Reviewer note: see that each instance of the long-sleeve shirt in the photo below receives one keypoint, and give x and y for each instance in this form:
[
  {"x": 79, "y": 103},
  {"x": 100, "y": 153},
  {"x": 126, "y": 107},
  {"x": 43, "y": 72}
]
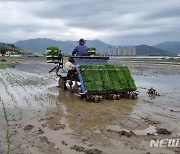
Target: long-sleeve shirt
[{"x": 80, "y": 50}]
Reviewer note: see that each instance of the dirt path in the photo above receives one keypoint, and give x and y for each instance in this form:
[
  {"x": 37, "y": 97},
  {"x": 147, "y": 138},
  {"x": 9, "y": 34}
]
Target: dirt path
[{"x": 38, "y": 117}]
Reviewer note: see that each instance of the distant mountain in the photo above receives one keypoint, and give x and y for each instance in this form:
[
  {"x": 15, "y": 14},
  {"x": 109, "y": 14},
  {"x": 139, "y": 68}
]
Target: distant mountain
[
  {"x": 169, "y": 46},
  {"x": 152, "y": 51},
  {"x": 40, "y": 44},
  {"x": 101, "y": 47},
  {"x": 13, "y": 48}
]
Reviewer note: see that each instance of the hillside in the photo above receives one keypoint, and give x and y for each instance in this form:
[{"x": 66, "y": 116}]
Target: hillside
[
  {"x": 40, "y": 44},
  {"x": 5, "y": 45},
  {"x": 169, "y": 46},
  {"x": 100, "y": 46},
  {"x": 9, "y": 46},
  {"x": 152, "y": 51}
]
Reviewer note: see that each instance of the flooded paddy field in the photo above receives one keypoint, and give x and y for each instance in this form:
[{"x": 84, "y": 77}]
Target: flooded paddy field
[{"x": 39, "y": 118}]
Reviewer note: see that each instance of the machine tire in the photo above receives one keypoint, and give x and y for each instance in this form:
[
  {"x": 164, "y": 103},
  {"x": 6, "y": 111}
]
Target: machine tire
[{"x": 62, "y": 83}]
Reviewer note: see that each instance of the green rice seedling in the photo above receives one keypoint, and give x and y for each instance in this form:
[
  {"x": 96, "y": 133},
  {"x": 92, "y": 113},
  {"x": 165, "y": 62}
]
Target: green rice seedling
[
  {"x": 37, "y": 115},
  {"x": 4, "y": 65},
  {"x": 8, "y": 141},
  {"x": 107, "y": 78},
  {"x": 86, "y": 73},
  {"x": 98, "y": 86},
  {"x": 87, "y": 76},
  {"x": 89, "y": 87},
  {"x": 5, "y": 113},
  {"x": 130, "y": 81},
  {"x": 83, "y": 67},
  {"x": 12, "y": 97},
  {"x": 8, "y": 136},
  {"x": 35, "y": 97},
  {"x": 107, "y": 85},
  {"x": 112, "y": 72},
  {"x": 117, "y": 86},
  {"x": 27, "y": 101},
  {"x": 20, "y": 113},
  {"x": 2, "y": 74},
  {"x": 104, "y": 73},
  {"x": 94, "y": 70}
]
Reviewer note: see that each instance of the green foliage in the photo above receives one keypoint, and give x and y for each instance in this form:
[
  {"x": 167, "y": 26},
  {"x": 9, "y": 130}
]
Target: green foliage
[
  {"x": 8, "y": 135},
  {"x": 107, "y": 78},
  {"x": 129, "y": 78},
  {"x": 91, "y": 48},
  {"x": 53, "y": 48},
  {"x": 3, "y": 65},
  {"x": 53, "y": 53},
  {"x": 91, "y": 51},
  {"x": 104, "y": 73},
  {"x": 94, "y": 70},
  {"x": 3, "y": 51}
]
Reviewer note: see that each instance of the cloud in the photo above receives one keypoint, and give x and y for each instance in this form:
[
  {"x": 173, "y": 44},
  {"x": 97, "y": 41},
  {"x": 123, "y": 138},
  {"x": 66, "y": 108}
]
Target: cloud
[{"x": 115, "y": 21}]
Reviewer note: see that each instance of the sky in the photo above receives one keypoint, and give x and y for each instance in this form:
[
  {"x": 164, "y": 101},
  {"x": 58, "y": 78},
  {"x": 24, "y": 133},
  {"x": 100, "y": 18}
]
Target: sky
[{"x": 117, "y": 22}]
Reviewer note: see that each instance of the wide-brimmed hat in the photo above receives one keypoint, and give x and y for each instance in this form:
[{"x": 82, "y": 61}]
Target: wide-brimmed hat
[{"x": 82, "y": 41}]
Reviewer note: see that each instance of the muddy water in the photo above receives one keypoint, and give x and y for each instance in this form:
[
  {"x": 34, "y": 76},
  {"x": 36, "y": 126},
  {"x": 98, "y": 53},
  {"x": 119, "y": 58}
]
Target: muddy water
[
  {"x": 165, "y": 107},
  {"x": 45, "y": 119}
]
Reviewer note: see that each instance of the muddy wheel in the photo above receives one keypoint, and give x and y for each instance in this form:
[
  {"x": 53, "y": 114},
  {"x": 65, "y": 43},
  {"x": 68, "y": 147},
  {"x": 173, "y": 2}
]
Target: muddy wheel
[
  {"x": 62, "y": 83},
  {"x": 125, "y": 95}
]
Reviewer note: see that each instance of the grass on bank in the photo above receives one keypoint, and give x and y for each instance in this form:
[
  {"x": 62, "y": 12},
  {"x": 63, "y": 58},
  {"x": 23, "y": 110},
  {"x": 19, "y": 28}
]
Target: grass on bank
[{"x": 3, "y": 65}]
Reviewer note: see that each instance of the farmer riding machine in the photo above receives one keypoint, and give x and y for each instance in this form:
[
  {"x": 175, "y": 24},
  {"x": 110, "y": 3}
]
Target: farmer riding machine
[{"x": 92, "y": 77}]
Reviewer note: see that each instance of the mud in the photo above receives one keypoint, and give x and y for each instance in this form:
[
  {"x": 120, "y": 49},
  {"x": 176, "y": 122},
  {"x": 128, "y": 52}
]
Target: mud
[
  {"x": 128, "y": 134},
  {"x": 151, "y": 130},
  {"x": 45, "y": 119},
  {"x": 28, "y": 127},
  {"x": 86, "y": 151},
  {"x": 163, "y": 131}
]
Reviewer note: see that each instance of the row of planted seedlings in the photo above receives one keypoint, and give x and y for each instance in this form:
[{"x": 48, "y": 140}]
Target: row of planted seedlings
[
  {"x": 11, "y": 94},
  {"x": 8, "y": 101},
  {"x": 33, "y": 86},
  {"x": 14, "y": 86},
  {"x": 24, "y": 84},
  {"x": 3, "y": 83},
  {"x": 7, "y": 134}
]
